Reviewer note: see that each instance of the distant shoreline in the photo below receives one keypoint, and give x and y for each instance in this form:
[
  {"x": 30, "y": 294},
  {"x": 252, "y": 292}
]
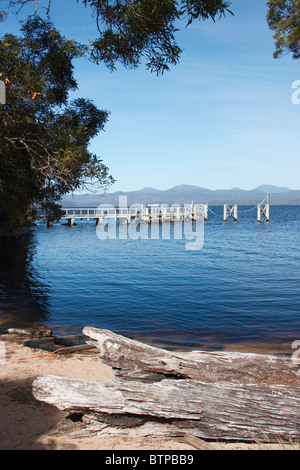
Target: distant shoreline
[{"x": 185, "y": 194}]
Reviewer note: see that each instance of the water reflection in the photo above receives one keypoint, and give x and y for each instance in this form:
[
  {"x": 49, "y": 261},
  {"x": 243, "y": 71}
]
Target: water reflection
[{"x": 23, "y": 295}]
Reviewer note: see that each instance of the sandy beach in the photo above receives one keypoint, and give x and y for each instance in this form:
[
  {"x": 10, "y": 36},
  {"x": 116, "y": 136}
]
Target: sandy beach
[{"x": 26, "y": 424}]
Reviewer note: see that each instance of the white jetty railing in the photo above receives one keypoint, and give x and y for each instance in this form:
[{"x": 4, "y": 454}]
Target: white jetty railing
[{"x": 150, "y": 213}]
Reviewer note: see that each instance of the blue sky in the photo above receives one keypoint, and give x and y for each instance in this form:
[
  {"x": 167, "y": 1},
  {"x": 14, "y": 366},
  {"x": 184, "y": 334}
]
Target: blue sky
[{"x": 222, "y": 118}]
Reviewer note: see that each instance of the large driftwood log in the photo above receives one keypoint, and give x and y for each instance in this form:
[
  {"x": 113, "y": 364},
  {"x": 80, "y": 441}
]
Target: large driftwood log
[
  {"x": 131, "y": 358},
  {"x": 216, "y": 395},
  {"x": 215, "y": 411}
]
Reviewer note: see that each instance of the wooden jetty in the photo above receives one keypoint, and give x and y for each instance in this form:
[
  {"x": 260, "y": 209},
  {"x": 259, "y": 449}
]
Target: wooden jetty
[
  {"x": 137, "y": 212},
  {"x": 153, "y": 213}
]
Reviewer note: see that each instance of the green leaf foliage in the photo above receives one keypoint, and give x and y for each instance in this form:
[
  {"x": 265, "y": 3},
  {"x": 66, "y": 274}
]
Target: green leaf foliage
[
  {"x": 132, "y": 32},
  {"x": 44, "y": 138},
  {"x": 284, "y": 19}
]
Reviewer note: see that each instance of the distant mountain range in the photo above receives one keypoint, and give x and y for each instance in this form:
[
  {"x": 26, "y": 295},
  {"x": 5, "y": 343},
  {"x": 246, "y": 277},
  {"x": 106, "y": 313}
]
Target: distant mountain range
[{"x": 185, "y": 194}]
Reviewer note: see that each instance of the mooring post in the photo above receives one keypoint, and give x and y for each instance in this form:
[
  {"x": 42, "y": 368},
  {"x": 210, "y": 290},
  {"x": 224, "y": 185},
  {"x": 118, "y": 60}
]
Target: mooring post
[
  {"x": 268, "y": 208},
  {"x": 233, "y": 212},
  {"x": 225, "y": 213},
  {"x": 71, "y": 222},
  {"x": 264, "y": 212},
  {"x": 267, "y": 211},
  {"x": 258, "y": 212}
]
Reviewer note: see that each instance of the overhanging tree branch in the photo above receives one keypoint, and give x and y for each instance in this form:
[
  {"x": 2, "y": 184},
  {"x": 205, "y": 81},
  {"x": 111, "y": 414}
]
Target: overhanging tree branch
[
  {"x": 44, "y": 139},
  {"x": 130, "y": 31}
]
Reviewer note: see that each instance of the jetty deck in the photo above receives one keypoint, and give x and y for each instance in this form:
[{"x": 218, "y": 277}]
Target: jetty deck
[
  {"x": 140, "y": 212},
  {"x": 153, "y": 212}
]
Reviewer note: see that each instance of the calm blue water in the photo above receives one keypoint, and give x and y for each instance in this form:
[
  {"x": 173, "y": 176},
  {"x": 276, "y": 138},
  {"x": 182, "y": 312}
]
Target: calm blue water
[{"x": 243, "y": 287}]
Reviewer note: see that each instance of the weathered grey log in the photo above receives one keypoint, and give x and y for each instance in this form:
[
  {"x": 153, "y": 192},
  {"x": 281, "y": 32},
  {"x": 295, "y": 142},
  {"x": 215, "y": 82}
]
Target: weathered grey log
[
  {"x": 28, "y": 332},
  {"x": 220, "y": 410},
  {"x": 14, "y": 331},
  {"x": 91, "y": 425},
  {"x": 134, "y": 359},
  {"x": 140, "y": 427},
  {"x": 219, "y": 395}
]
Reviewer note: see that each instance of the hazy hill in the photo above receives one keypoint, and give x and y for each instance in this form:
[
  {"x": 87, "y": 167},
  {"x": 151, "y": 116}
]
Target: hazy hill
[{"x": 185, "y": 194}]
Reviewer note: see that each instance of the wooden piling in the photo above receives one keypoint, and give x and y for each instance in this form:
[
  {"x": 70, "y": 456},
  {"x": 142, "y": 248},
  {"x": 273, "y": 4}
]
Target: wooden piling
[
  {"x": 230, "y": 212},
  {"x": 264, "y": 212}
]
